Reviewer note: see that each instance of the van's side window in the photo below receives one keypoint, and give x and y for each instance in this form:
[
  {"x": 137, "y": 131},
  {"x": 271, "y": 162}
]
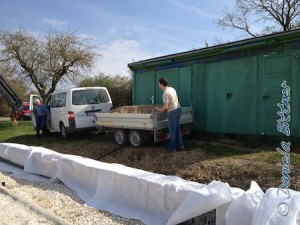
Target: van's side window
[
  {"x": 91, "y": 96},
  {"x": 58, "y": 100}
]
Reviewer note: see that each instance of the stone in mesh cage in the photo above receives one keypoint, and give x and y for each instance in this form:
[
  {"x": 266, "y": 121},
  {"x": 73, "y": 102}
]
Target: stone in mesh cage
[{"x": 208, "y": 218}]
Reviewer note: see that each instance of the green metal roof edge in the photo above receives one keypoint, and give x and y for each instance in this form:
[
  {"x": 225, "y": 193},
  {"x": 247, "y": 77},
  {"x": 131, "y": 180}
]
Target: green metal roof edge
[{"x": 281, "y": 37}]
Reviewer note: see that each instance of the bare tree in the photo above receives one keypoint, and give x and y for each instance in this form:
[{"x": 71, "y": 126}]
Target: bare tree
[
  {"x": 277, "y": 15},
  {"x": 46, "y": 61}
]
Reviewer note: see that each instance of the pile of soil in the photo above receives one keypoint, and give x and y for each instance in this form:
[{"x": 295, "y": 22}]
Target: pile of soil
[{"x": 136, "y": 109}]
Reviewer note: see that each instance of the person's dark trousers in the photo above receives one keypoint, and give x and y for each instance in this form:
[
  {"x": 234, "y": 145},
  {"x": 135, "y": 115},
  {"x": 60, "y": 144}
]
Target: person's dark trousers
[
  {"x": 40, "y": 124},
  {"x": 174, "y": 129}
]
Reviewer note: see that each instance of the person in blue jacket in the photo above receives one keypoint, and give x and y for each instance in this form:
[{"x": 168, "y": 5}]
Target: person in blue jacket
[{"x": 42, "y": 114}]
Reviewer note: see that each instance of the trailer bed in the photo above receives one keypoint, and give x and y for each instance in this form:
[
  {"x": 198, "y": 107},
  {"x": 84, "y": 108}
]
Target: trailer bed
[{"x": 140, "y": 121}]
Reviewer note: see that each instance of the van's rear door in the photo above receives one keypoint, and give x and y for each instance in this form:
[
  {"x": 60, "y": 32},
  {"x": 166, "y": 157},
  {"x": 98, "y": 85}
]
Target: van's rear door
[{"x": 88, "y": 101}]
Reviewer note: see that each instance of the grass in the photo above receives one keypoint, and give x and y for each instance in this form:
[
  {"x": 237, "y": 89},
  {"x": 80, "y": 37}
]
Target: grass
[
  {"x": 223, "y": 151},
  {"x": 19, "y": 132},
  {"x": 24, "y": 133}
]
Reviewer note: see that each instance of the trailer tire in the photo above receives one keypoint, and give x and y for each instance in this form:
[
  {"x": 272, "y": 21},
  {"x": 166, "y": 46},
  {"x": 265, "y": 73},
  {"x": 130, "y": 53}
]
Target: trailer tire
[
  {"x": 121, "y": 137},
  {"x": 136, "y": 138}
]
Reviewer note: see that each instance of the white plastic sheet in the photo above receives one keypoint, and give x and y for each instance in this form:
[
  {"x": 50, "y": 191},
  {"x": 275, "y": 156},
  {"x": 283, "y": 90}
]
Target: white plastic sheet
[
  {"x": 42, "y": 161},
  {"x": 241, "y": 210},
  {"x": 20, "y": 173},
  {"x": 80, "y": 174},
  {"x": 16, "y": 153},
  {"x": 204, "y": 199},
  {"x": 267, "y": 211}
]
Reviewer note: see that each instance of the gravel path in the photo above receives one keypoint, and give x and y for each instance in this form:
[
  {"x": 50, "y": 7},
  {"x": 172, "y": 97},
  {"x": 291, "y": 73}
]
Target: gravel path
[
  {"x": 14, "y": 212},
  {"x": 54, "y": 197}
]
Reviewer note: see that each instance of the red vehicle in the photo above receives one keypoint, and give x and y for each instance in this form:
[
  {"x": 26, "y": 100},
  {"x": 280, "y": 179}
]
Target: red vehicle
[{"x": 24, "y": 114}]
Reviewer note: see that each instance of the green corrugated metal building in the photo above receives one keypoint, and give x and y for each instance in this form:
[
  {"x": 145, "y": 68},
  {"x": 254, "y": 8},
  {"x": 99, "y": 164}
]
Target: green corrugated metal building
[{"x": 234, "y": 87}]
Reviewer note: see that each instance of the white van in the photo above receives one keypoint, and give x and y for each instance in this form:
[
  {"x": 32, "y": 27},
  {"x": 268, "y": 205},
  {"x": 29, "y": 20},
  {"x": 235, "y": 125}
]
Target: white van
[{"x": 73, "y": 110}]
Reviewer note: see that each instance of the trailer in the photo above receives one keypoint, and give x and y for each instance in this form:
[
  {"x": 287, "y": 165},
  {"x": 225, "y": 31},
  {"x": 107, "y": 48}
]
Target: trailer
[{"x": 135, "y": 128}]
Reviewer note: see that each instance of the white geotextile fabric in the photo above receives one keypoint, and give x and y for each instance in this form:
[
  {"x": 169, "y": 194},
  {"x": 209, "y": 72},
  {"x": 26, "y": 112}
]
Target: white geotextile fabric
[
  {"x": 36, "y": 160},
  {"x": 267, "y": 213},
  {"x": 153, "y": 198},
  {"x": 15, "y": 153},
  {"x": 42, "y": 161},
  {"x": 241, "y": 210},
  {"x": 20, "y": 173}
]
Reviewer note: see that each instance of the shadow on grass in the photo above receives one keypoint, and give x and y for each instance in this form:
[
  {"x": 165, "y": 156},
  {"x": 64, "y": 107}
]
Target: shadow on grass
[
  {"x": 55, "y": 138},
  {"x": 262, "y": 142},
  {"x": 214, "y": 147}
]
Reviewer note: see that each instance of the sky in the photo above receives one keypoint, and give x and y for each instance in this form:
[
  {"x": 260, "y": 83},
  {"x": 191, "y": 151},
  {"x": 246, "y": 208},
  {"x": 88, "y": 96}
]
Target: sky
[{"x": 124, "y": 31}]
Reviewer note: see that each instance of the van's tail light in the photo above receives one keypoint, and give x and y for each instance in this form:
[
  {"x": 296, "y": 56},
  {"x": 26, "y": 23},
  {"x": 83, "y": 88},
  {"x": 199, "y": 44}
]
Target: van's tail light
[
  {"x": 184, "y": 130},
  {"x": 70, "y": 115},
  {"x": 163, "y": 136}
]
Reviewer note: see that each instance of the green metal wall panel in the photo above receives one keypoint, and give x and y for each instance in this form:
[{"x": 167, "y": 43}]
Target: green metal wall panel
[
  {"x": 275, "y": 69},
  {"x": 145, "y": 88},
  {"x": 181, "y": 80},
  {"x": 296, "y": 96},
  {"x": 199, "y": 95},
  {"x": 241, "y": 82},
  {"x": 185, "y": 86},
  {"x": 231, "y": 95},
  {"x": 172, "y": 76},
  {"x": 215, "y": 98}
]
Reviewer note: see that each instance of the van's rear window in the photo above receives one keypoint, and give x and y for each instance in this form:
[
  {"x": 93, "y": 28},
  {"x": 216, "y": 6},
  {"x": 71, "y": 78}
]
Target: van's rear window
[{"x": 91, "y": 96}]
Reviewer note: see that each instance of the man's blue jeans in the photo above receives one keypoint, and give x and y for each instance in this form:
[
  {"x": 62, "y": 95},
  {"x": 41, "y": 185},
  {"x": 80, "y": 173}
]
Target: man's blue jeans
[
  {"x": 174, "y": 129},
  {"x": 40, "y": 124}
]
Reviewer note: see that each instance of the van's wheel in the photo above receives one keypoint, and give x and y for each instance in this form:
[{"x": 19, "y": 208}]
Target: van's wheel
[
  {"x": 121, "y": 137},
  {"x": 136, "y": 138},
  {"x": 63, "y": 131}
]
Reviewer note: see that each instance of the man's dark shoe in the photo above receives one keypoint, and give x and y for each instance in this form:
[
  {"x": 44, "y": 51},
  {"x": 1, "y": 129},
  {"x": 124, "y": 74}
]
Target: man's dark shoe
[
  {"x": 170, "y": 151},
  {"x": 181, "y": 148}
]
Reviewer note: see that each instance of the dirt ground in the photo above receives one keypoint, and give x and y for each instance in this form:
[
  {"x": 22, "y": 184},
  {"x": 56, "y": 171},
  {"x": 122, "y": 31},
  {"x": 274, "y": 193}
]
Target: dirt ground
[{"x": 235, "y": 160}]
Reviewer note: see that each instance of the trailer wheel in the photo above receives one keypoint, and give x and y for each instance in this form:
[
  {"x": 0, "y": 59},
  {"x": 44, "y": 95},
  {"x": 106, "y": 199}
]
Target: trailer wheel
[
  {"x": 121, "y": 137},
  {"x": 136, "y": 138}
]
